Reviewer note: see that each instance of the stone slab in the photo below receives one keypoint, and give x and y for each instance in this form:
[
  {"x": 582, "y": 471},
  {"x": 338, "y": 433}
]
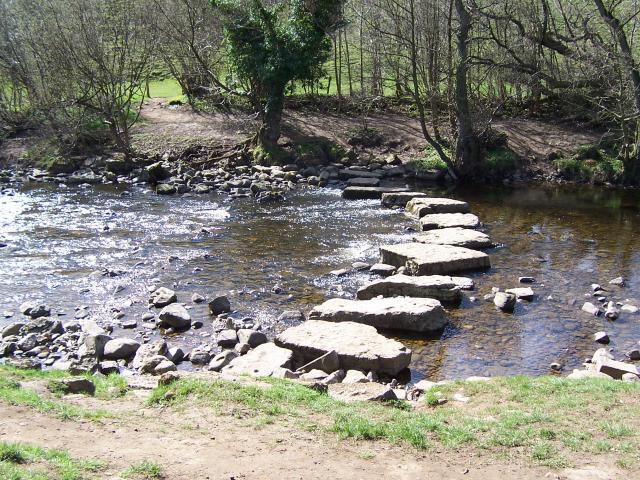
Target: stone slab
[
  {"x": 369, "y": 193},
  {"x": 262, "y": 361},
  {"x": 358, "y": 346},
  {"x": 443, "y": 288},
  {"x": 449, "y": 220},
  {"x": 431, "y": 259},
  {"x": 400, "y": 199},
  {"x": 424, "y": 206},
  {"x": 397, "y": 313},
  {"x": 457, "y": 237},
  {"x": 363, "y": 182}
]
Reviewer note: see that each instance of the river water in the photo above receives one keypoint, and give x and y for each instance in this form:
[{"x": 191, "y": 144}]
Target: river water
[{"x": 59, "y": 239}]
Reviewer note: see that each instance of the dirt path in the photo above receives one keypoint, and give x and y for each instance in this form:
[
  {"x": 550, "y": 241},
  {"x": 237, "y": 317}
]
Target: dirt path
[{"x": 194, "y": 443}]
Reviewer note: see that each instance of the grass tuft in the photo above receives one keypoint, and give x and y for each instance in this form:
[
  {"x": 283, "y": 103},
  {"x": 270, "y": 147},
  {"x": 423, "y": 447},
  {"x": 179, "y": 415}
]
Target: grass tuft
[{"x": 144, "y": 469}]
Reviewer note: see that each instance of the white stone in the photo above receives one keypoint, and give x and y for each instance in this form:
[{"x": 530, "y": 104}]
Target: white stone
[
  {"x": 457, "y": 237},
  {"x": 449, "y": 220}
]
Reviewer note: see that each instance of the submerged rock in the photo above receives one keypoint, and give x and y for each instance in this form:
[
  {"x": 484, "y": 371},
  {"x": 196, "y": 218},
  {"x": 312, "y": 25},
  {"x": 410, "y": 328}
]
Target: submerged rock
[{"x": 358, "y": 346}]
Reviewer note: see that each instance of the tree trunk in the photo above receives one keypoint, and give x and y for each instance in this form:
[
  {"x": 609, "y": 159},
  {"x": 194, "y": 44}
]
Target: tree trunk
[
  {"x": 269, "y": 132},
  {"x": 467, "y": 151}
]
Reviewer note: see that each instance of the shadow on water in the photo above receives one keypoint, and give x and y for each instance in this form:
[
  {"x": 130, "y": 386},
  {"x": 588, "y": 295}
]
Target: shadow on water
[{"x": 567, "y": 238}]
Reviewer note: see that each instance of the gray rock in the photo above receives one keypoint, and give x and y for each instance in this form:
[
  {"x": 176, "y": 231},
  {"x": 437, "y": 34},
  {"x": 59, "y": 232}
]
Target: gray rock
[
  {"x": 12, "y": 329},
  {"x": 355, "y": 376},
  {"x": 335, "y": 377},
  {"x": 618, "y": 281},
  {"x": 525, "y": 293},
  {"x": 163, "y": 367},
  {"x": 633, "y": 354},
  {"x": 505, "y": 301},
  {"x": 147, "y": 351},
  {"x": 120, "y": 349},
  {"x": 222, "y": 360},
  {"x": 368, "y": 193},
  {"x": 526, "y": 280},
  {"x": 629, "y": 309},
  {"x": 449, "y": 220},
  {"x": 93, "y": 346},
  {"x": 382, "y": 269},
  {"x": 175, "y": 316},
  {"x": 197, "y": 298},
  {"x": 175, "y": 354},
  {"x": 398, "y": 313},
  {"x": 591, "y": 309},
  {"x": 242, "y": 348},
  {"x": 630, "y": 378},
  {"x": 601, "y": 337},
  {"x": 290, "y": 317},
  {"x": 314, "y": 375},
  {"x": 252, "y": 337},
  {"x": 227, "y": 338},
  {"x": 329, "y": 362},
  {"x": 361, "y": 392},
  {"x": 400, "y": 199},
  {"x": 285, "y": 373},
  {"x": 363, "y": 182},
  {"x": 7, "y": 348},
  {"x": 34, "y": 310},
  {"x": 358, "y": 346},
  {"x": 581, "y": 374},
  {"x": 431, "y": 259},
  {"x": 74, "y": 386},
  {"x": 262, "y": 361},
  {"x": 615, "y": 369},
  {"x": 457, "y": 237},
  {"x": 108, "y": 367},
  {"x": 219, "y": 305},
  {"x": 199, "y": 357},
  {"x": 28, "y": 342},
  {"x": 166, "y": 189},
  {"x": 612, "y": 311},
  {"x": 425, "y": 206},
  {"x": 162, "y": 297},
  {"x": 443, "y": 288}
]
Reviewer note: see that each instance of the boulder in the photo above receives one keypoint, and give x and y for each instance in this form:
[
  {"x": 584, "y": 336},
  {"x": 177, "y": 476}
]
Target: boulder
[
  {"x": 93, "y": 346},
  {"x": 219, "y": 305},
  {"x": 591, "y": 309},
  {"x": 227, "y": 338},
  {"x": 449, "y": 220},
  {"x": 397, "y": 313},
  {"x": 175, "y": 316},
  {"x": 166, "y": 189},
  {"x": 382, "y": 269},
  {"x": 368, "y": 193},
  {"x": 442, "y": 288},
  {"x": 349, "y": 173},
  {"x": 457, "y": 237},
  {"x": 120, "y": 349},
  {"x": 358, "y": 346},
  {"x": 314, "y": 375},
  {"x": 581, "y": 374},
  {"x": 615, "y": 369},
  {"x": 425, "y": 206},
  {"x": 252, "y": 337},
  {"x": 73, "y": 385},
  {"x": 329, "y": 362},
  {"x": 163, "y": 367},
  {"x": 222, "y": 359},
  {"x": 361, "y": 392},
  {"x": 505, "y": 301},
  {"x": 525, "y": 293},
  {"x": 147, "y": 351},
  {"x": 400, "y": 199},
  {"x": 355, "y": 376},
  {"x": 162, "y": 297},
  {"x": 34, "y": 310},
  {"x": 12, "y": 329},
  {"x": 262, "y": 361},
  {"x": 198, "y": 356},
  {"x": 428, "y": 259}
]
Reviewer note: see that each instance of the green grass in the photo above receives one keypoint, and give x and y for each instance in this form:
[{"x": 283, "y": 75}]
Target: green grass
[
  {"x": 168, "y": 88},
  {"x": 144, "y": 469},
  {"x": 500, "y": 161},
  {"x": 430, "y": 160},
  {"x": 20, "y": 461},
  {"x": 544, "y": 418},
  {"x": 589, "y": 164}
]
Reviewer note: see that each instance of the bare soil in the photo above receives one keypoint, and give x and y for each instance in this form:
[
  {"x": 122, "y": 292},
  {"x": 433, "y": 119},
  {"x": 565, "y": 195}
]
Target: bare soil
[{"x": 195, "y": 442}]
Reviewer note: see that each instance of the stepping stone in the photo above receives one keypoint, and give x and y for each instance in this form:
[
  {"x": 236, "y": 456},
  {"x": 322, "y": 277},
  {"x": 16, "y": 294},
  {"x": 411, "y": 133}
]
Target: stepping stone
[
  {"x": 348, "y": 173},
  {"x": 429, "y": 259},
  {"x": 398, "y": 313},
  {"x": 424, "y": 206},
  {"x": 359, "y": 347},
  {"x": 444, "y": 288},
  {"x": 363, "y": 182},
  {"x": 457, "y": 237},
  {"x": 400, "y": 199},
  {"x": 368, "y": 193},
  {"x": 449, "y": 220},
  {"x": 523, "y": 293},
  {"x": 262, "y": 361}
]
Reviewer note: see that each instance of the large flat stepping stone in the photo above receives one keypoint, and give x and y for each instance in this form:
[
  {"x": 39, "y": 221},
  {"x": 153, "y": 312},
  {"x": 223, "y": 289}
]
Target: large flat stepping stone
[
  {"x": 398, "y": 313},
  {"x": 449, "y": 220},
  {"x": 368, "y": 193},
  {"x": 400, "y": 199},
  {"x": 359, "y": 347},
  {"x": 443, "y": 288},
  {"x": 432, "y": 259},
  {"x": 262, "y": 361},
  {"x": 456, "y": 236},
  {"x": 363, "y": 182},
  {"x": 424, "y": 206},
  {"x": 348, "y": 173}
]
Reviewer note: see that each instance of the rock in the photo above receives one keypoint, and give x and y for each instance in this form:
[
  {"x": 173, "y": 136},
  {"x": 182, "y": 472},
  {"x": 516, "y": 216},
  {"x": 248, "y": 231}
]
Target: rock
[
  {"x": 522, "y": 293},
  {"x": 355, "y": 376},
  {"x": 382, "y": 269},
  {"x": 615, "y": 369},
  {"x": 457, "y": 237},
  {"x": 630, "y": 378},
  {"x": 34, "y": 310},
  {"x": 262, "y": 361},
  {"x": 119, "y": 165},
  {"x": 199, "y": 356},
  {"x": 363, "y": 182},
  {"x": 222, "y": 360},
  {"x": 108, "y": 367},
  {"x": 12, "y": 329},
  {"x": 505, "y": 301},
  {"x": 629, "y": 309},
  {"x": 555, "y": 366},
  {"x": 400, "y": 199},
  {"x": 368, "y": 193},
  {"x": 449, "y": 220},
  {"x": 28, "y": 342},
  {"x": 526, "y": 280},
  {"x": 443, "y": 288},
  {"x": 162, "y": 297},
  {"x": 168, "y": 378},
  {"x": 7, "y": 348},
  {"x": 361, "y": 392},
  {"x": 175, "y": 316},
  {"x": 591, "y": 309},
  {"x": 358, "y": 346},
  {"x": 421, "y": 259},
  {"x": 329, "y": 362},
  {"x": 252, "y": 337},
  {"x": 242, "y": 348},
  {"x": 335, "y": 377},
  {"x": 150, "y": 363},
  {"x": 74, "y": 386},
  {"x": 175, "y": 354},
  {"x": 425, "y": 206},
  {"x": 618, "y": 281},
  {"x": 290, "y": 317},
  {"x": 157, "y": 172},
  {"x": 285, "y": 373},
  {"x": 164, "y": 367},
  {"x": 314, "y": 375},
  {"x": 147, "y": 351},
  {"x": 219, "y": 305},
  {"x": 580, "y": 374},
  {"x": 601, "y": 337},
  {"x": 120, "y": 349},
  {"x": 612, "y": 311},
  {"x": 93, "y": 346},
  {"x": 166, "y": 189},
  {"x": 633, "y": 354},
  {"x": 398, "y": 313},
  {"x": 601, "y": 353},
  {"x": 197, "y": 298},
  {"x": 129, "y": 324},
  {"x": 227, "y": 338}
]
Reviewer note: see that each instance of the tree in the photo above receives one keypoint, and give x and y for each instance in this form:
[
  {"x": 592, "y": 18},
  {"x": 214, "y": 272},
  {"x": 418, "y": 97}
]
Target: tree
[{"x": 271, "y": 44}]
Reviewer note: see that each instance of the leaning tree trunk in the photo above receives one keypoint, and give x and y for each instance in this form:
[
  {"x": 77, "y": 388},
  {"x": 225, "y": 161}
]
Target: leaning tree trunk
[{"x": 467, "y": 151}]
